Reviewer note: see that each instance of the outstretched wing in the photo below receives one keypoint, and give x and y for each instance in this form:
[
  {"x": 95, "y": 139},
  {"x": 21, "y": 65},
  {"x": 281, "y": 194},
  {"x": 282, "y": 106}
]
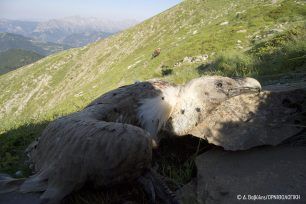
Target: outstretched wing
[{"x": 253, "y": 120}]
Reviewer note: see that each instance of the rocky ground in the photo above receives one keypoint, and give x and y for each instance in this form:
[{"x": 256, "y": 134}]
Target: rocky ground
[
  {"x": 259, "y": 174},
  {"x": 274, "y": 173}
]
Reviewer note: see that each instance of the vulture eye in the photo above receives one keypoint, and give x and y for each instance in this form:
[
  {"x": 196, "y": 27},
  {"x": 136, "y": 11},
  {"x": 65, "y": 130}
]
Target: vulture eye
[{"x": 219, "y": 84}]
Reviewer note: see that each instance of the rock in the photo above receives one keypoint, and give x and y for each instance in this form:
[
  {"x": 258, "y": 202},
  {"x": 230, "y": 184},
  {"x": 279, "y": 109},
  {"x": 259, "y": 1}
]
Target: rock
[
  {"x": 275, "y": 30},
  {"x": 199, "y": 58},
  {"x": 187, "y": 59},
  {"x": 242, "y": 31},
  {"x": 257, "y": 37},
  {"x": 195, "y": 32},
  {"x": 224, "y": 23},
  {"x": 202, "y": 57},
  {"x": 224, "y": 175},
  {"x": 177, "y": 64},
  {"x": 252, "y": 120},
  {"x": 187, "y": 194},
  {"x": 238, "y": 41}
]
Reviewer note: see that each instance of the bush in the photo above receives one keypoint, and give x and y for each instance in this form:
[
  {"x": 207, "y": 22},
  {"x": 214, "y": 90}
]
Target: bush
[
  {"x": 233, "y": 63},
  {"x": 291, "y": 56},
  {"x": 166, "y": 71}
]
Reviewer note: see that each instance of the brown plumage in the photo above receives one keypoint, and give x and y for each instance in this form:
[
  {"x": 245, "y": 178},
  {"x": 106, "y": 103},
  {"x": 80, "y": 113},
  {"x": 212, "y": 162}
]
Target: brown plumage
[{"x": 110, "y": 141}]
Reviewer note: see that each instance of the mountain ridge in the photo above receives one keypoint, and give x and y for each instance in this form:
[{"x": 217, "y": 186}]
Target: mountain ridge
[{"x": 60, "y": 30}]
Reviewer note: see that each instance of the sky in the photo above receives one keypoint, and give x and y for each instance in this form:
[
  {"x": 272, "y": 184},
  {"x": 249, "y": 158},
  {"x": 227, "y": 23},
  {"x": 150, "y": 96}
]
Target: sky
[{"x": 40, "y": 10}]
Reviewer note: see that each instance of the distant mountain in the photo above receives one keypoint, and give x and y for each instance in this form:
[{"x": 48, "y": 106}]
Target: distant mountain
[
  {"x": 81, "y": 39},
  {"x": 17, "y": 27},
  {"x": 14, "y": 41},
  {"x": 15, "y": 58},
  {"x": 77, "y": 24},
  {"x": 75, "y": 31}
]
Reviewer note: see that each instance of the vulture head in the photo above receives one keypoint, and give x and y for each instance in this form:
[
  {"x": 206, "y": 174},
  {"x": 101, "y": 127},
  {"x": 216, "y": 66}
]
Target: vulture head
[{"x": 200, "y": 96}]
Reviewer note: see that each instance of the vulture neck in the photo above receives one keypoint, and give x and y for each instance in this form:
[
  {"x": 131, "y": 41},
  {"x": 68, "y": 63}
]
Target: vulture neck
[{"x": 153, "y": 113}]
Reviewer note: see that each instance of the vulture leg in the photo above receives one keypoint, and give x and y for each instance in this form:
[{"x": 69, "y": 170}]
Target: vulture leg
[
  {"x": 162, "y": 191},
  {"x": 146, "y": 182}
]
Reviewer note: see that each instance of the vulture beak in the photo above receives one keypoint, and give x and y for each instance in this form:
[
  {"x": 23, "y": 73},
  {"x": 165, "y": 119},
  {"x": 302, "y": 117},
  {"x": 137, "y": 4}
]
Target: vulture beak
[{"x": 245, "y": 85}]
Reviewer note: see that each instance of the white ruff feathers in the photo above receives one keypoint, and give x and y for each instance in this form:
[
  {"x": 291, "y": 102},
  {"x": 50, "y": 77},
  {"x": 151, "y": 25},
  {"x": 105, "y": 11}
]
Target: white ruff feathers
[{"x": 154, "y": 112}]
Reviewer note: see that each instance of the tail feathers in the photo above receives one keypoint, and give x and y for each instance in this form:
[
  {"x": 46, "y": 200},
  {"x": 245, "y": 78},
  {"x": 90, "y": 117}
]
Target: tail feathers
[
  {"x": 34, "y": 184},
  {"x": 13, "y": 191},
  {"x": 9, "y": 184}
]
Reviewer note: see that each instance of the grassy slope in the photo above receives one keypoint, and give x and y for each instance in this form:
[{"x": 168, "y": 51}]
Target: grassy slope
[
  {"x": 15, "y": 58},
  {"x": 68, "y": 80}
]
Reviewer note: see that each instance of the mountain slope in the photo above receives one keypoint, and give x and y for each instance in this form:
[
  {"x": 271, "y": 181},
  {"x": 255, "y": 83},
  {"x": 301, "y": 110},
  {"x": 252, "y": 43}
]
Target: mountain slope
[
  {"x": 13, "y": 41},
  {"x": 67, "y": 81},
  {"x": 15, "y": 58}
]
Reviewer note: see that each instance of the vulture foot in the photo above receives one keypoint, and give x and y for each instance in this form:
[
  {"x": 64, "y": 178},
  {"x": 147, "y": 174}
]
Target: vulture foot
[{"x": 155, "y": 187}]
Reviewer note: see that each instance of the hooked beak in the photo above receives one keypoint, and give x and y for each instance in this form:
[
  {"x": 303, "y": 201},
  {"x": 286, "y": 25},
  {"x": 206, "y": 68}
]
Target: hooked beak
[{"x": 245, "y": 85}]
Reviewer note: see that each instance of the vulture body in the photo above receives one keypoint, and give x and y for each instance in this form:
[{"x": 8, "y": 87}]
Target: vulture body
[{"x": 110, "y": 141}]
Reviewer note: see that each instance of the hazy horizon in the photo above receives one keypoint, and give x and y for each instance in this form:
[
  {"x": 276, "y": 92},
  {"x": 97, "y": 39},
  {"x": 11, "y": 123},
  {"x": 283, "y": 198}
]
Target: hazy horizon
[
  {"x": 63, "y": 17},
  {"x": 35, "y": 10}
]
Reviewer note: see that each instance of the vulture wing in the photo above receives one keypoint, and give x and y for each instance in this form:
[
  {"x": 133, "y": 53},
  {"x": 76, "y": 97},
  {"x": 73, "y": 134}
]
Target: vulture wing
[
  {"x": 74, "y": 150},
  {"x": 101, "y": 143}
]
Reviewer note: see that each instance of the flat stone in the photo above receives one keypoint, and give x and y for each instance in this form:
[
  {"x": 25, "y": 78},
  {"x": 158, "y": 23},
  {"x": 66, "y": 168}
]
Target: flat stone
[
  {"x": 188, "y": 193},
  {"x": 224, "y": 175}
]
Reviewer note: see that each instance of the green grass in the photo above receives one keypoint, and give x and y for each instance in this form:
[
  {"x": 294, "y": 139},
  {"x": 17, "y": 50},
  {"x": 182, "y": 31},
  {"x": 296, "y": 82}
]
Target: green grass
[
  {"x": 233, "y": 63},
  {"x": 260, "y": 39},
  {"x": 13, "y": 144},
  {"x": 285, "y": 52}
]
